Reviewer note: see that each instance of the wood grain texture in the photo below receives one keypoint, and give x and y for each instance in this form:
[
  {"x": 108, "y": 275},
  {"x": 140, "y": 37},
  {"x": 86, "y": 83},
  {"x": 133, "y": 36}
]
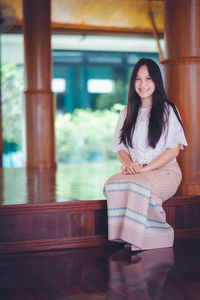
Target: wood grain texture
[
  {"x": 182, "y": 72},
  {"x": 39, "y": 106},
  {"x": 37, "y": 214},
  {"x": 181, "y": 28},
  {"x": 43, "y": 226},
  {"x": 79, "y": 15},
  {"x": 102, "y": 273}
]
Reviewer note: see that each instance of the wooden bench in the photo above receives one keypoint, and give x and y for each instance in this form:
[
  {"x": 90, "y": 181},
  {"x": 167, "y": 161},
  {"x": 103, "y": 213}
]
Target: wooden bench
[{"x": 45, "y": 226}]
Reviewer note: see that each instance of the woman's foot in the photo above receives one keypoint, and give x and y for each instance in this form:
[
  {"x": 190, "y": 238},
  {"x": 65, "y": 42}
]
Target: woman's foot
[
  {"x": 117, "y": 241},
  {"x": 135, "y": 248},
  {"x": 132, "y": 247}
]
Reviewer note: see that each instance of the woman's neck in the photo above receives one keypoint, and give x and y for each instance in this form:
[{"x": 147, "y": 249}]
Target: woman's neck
[{"x": 146, "y": 102}]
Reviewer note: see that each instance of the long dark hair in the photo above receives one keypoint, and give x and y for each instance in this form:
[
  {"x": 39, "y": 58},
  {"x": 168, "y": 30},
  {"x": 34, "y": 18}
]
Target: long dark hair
[{"x": 159, "y": 112}]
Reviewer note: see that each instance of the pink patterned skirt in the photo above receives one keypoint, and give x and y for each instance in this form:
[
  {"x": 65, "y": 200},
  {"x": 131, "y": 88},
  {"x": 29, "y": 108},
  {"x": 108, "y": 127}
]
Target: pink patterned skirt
[{"x": 134, "y": 203}]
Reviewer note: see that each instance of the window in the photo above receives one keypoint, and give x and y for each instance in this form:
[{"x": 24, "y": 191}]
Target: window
[{"x": 100, "y": 86}]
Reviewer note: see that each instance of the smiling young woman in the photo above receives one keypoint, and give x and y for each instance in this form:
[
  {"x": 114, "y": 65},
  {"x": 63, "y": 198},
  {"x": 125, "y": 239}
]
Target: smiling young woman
[
  {"x": 148, "y": 137},
  {"x": 144, "y": 86}
]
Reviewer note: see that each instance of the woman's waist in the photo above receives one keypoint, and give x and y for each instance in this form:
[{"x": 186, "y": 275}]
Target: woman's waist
[
  {"x": 144, "y": 155},
  {"x": 172, "y": 166},
  {"x": 145, "y": 160}
]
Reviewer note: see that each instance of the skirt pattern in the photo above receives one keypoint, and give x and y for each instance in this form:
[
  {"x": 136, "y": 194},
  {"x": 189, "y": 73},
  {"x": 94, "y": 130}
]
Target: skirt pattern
[{"x": 134, "y": 202}]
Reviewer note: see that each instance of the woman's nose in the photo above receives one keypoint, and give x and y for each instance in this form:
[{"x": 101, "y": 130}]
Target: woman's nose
[{"x": 142, "y": 82}]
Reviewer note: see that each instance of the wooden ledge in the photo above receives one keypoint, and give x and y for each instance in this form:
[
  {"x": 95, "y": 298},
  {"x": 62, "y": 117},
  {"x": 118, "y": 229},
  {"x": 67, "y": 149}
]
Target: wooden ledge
[
  {"x": 75, "y": 224},
  {"x": 80, "y": 205}
]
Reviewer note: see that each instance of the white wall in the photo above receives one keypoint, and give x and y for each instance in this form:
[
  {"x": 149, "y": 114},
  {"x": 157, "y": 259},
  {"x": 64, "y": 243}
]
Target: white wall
[{"x": 12, "y": 44}]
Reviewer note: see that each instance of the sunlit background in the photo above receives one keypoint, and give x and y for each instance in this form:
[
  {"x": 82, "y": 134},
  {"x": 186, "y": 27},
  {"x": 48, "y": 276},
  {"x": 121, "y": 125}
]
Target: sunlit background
[{"x": 90, "y": 84}]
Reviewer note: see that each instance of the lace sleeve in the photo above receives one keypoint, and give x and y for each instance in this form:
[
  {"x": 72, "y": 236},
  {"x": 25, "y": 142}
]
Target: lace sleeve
[
  {"x": 175, "y": 133},
  {"x": 116, "y": 145}
]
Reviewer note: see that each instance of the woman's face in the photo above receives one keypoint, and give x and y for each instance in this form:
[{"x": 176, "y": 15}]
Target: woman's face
[{"x": 144, "y": 85}]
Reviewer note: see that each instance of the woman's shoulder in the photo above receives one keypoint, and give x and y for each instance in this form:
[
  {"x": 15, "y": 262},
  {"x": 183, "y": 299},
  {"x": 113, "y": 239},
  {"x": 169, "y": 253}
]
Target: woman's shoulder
[
  {"x": 171, "y": 108},
  {"x": 173, "y": 114},
  {"x": 170, "y": 105}
]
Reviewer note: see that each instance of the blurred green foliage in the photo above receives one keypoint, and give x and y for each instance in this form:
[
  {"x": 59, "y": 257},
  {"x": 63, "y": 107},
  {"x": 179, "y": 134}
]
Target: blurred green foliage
[
  {"x": 84, "y": 135},
  {"x": 86, "y": 132},
  {"x": 12, "y": 83},
  {"x": 106, "y": 101}
]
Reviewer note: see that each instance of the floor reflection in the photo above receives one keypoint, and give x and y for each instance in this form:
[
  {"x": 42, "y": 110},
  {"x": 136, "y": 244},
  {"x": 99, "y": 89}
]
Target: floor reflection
[
  {"x": 63, "y": 184},
  {"x": 103, "y": 273},
  {"x": 139, "y": 276},
  {"x": 40, "y": 185}
]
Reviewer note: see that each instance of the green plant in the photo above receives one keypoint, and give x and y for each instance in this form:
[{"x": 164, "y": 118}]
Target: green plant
[
  {"x": 12, "y": 87},
  {"x": 78, "y": 135},
  {"x": 85, "y": 132},
  {"x": 106, "y": 101}
]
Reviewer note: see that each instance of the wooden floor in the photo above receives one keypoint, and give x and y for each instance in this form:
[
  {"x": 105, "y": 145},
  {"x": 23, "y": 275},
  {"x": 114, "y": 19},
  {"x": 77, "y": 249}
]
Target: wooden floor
[
  {"x": 103, "y": 273},
  {"x": 66, "y": 183},
  {"x": 39, "y": 210}
]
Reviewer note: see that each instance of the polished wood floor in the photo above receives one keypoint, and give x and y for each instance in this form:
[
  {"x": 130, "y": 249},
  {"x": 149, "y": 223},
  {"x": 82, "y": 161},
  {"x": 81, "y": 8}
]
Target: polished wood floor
[
  {"x": 65, "y": 183},
  {"x": 103, "y": 273}
]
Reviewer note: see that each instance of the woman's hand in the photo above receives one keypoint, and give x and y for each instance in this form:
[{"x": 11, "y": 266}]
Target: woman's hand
[
  {"x": 124, "y": 170},
  {"x": 132, "y": 168}
]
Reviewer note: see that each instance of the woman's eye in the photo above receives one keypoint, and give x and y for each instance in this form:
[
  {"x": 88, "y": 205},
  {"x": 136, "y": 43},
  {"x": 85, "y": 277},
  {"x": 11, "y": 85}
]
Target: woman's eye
[{"x": 148, "y": 78}]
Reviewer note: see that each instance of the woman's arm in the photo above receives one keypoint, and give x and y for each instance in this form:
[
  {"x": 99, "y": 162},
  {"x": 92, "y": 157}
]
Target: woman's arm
[
  {"x": 124, "y": 157},
  {"x": 162, "y": 159}
]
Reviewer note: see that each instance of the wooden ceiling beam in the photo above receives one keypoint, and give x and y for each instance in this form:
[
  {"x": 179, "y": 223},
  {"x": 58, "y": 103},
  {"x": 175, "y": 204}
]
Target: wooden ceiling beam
[{"x": 88, "y": 29}]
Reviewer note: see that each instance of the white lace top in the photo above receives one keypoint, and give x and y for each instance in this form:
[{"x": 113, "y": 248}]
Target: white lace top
[{"x": 141, "y": 152}]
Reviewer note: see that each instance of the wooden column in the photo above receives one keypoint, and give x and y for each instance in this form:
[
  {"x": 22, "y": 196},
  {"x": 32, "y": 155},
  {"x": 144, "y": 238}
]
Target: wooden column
[
  {"x": 39, "y": 106},
  {"x": 182, "y": 74}
]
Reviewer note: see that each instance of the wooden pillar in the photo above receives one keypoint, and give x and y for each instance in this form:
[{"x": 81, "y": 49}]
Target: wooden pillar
[
  {"x": 182, "y": 74},
  {"x": 39, "y": 108}
]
